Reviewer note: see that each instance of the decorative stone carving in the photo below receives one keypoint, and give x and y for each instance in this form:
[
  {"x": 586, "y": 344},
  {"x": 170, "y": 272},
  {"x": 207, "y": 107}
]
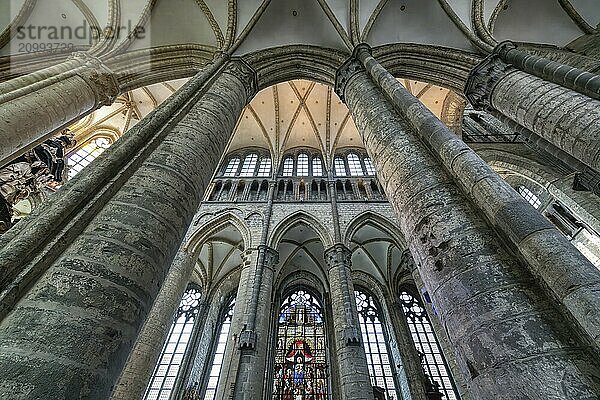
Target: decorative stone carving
[
  {"x": 483, "y": 78},
  {"x": 243, "y": 71},
  {"x": 338, "y": 255},
  {"x": 348, "y": 69},
  {"x": 99, "y": 77}
]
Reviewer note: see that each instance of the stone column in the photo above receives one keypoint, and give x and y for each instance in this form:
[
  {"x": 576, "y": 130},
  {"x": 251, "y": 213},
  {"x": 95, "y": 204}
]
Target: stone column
[
  {"x": 510, "y": 340},
  {"x": 246, "y": 357},
  {"x": 565, "y": 117},
  {"x": 349, "y": 352},
  {"x": 69, "y": 336},
  {"x": 142, "y": 360},
  {"x": 29, "y": 114},
  {"x": 569, "y": 277}
]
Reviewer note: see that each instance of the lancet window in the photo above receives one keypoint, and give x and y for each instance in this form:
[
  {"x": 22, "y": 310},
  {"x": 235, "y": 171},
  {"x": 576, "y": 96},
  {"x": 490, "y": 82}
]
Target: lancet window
[
  {"x": 82, "y": 157},
  {"x": 219, "y": 352}
]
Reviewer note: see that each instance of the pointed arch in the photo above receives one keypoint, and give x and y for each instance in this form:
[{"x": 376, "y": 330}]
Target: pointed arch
[
  {"x": 378, "y": 221},
  {"x": 294, "y": 219}
]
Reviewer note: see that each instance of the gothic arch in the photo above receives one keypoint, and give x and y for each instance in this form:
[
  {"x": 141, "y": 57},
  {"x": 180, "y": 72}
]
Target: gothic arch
[
  {"x": 209, "y": 228},
  {"x": 298, "y": 218},
  {"x": 377, "y": 220}
]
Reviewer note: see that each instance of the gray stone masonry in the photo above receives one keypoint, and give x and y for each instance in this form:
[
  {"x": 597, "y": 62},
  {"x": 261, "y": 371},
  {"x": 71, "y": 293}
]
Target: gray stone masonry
[
  {"x": 508, "y": 337},
  {"x": 86, "y": 310}
]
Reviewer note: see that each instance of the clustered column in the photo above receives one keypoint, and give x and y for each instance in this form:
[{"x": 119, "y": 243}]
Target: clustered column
[
  {"x": 85, "y": 311},
  {"x": 349, "y": 351},
  {"x": 246, "y": 356},
  {"x": 56, "y": 97},
  {"x": 558, "y": 102},
  {"x": 508, "y": 339}
]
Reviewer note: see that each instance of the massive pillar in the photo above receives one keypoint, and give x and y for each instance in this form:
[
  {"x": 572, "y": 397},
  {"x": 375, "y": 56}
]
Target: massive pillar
[
  {"x": 557, "y": 102},
  {"x": 246, "y": 356},
  {"x": 142, "y": 360},
  {"x": 350, "y": 354},
  {"x": 84, "y": 312},
  {"x": 508, "y": 339},
  {"x": 36, "y": 106}
]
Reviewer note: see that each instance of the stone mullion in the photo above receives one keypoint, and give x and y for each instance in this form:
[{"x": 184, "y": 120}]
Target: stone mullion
[
  {"x": 570, "y": 277},
  {"x": 87, "y": 308},
  {"x": 350, "y": 354},
  {"x": 499, "y": 322}
]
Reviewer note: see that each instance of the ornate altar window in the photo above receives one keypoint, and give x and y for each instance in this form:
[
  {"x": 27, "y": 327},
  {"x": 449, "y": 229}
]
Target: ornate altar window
[
  {"x": 302, "y": 168},
  {"x": 340, "y": 166},
  {"x": 354, "y": 165},
  {"x": 529, "y": 196},
  {"x": 249, "y": 165},
  {"x": 288, "y": 166},
  {"x": 81, "y": 158},
  {"x": 317, "y": 166},
  {"x": 219, "y": 352},
  {"x": 163, "y": 380},
  {"x": 232, "y": 167},
  {"x": 370, "y": 168},
  {"x": 300, "y": 369},
  {"x": 264, "y": 169},
  {"x": 375, "y": 344},
  {"x": 427, "y": 345}
]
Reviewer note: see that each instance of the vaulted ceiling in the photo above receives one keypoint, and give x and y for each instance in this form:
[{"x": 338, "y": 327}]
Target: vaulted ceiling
[{"x": 243, "y": 26}]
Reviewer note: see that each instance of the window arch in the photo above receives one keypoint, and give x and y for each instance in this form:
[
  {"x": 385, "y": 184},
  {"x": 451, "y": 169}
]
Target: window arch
[
  {"x": 87, "y": 153},
  {"x": 219, "y": 352},
  {"x": 164, "y": 376},
  {"x": 249, "y": 165},
  {"x": 264, "y": 168},
  {"x": 528, "y": 195},
  {"x": 427, "y": 345},
  {"x": 317, "y": 166},
  {"x": 232, "y": 167},
  {"x": 288, "y": 166},
  {"x": 302, "y": 165},
  {"x": 339, "y": 166},
  {"x": 375, "y": 343},
  {"x": 300, "y": 368},
  {"x": 369, "y": 167}
]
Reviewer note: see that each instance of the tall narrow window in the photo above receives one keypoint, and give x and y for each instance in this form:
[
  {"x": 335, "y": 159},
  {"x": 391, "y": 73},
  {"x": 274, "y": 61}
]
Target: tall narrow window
[
  {"x": 300, "y": 354},
  {"x": 302, "y": 169},
  {"x": 232, "y": 167},
  {"x": 221, "y": 344},
  {"x": 529, "y": 196},
  {"x": 86, "y": 154},
  {"x": 165, "y": 373},
  {"x": 340, "y": 167},
  {"x": 374, "y": 341},
  {"x": 354, "y": 165},
  {"x": 369, "y": 166},
  {"x": 317, "y": 167},
  {"x": 264, "y": 169},
  {"x": 288, "y": 166},
  {"x": 427, "y": 345},
  {"x": 249, "y": 165}
]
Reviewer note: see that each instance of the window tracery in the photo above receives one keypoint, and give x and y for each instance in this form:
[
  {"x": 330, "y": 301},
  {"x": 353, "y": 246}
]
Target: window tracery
[
  {"x": 340, "y": 166},
  {"x": 375, "y": 344},
  {"x": 249, "y": 165},
  {"x": 300, "y": 369},
  {"x": 369, "y": 167},
  {"x": 163, "y": 380},
  {"x": 288, "y": 166},
  {"x": 427, "y": 345},
  {"x": 264, "y": 169},
  {"x": 317, "y": 166},
  {"x": 354, "y": 165},
  {"x": 81, "y": 158},
  {"x": 529, "y": 196},
  {"x": 302, "y": 167},
  {"x": 232, "y": 167},
  {"x": 219, "y": 353}
]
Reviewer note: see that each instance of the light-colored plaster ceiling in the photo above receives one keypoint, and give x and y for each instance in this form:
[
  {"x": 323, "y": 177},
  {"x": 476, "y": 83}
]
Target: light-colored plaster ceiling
[
  {"x": 242, "y": 26},
  {"x": 220, "y": 254}
]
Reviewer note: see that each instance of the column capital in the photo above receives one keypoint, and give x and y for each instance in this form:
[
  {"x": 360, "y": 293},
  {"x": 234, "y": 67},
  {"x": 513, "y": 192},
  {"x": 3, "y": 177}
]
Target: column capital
[
  {"x": 98, "y": 76},
  {"x": 485, "y": 76},
  {"x": 338, "y": 254},
  {"x": 240, "y": 68},
  {"x": 349, "y": 68}
]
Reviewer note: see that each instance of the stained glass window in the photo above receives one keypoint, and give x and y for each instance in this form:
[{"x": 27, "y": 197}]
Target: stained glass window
[
  {"x": 427, "y": 345},
  {"x": 302, "y": 169},
  {"x": 300, "y": 354},
  {"x": 232, "y": 167},
  {"x": 369, "y": 166},
  {"x": 86, "y": 154},
  {"x": 249, "y": 165},
  {"x": 317, "y": 166},
  {"x": 221, "y": 343},
  {"x": 374, "y": 342},
  {"x": 340, "y": 167},
  {"x": 288, "y": 166},
  {"x": 354, "y": 165},
  {"x": 264, "y": 168},
  {"x": 529, "y": 196},
  {"x": 163, "y": 380}
]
